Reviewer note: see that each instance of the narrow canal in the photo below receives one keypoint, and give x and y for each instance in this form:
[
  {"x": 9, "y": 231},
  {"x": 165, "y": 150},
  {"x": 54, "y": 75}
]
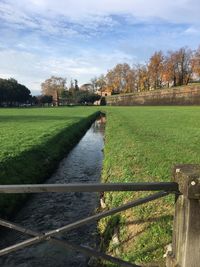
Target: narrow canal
[{"x": 49, "y": 211}]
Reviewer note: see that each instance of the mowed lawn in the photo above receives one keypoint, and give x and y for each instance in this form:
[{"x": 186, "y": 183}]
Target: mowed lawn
[
  {"x": 21, "y": 129},
  {"x": 33, "y": 140},
  {"x": 143, "y": 144}
]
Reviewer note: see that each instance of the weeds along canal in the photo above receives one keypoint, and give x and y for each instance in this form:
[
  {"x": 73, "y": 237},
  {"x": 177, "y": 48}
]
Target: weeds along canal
[{"x": 48, "y": 211}]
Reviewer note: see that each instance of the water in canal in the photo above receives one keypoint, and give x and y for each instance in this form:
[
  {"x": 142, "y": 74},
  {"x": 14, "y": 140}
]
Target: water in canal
[{"x": 49, "y": 211}]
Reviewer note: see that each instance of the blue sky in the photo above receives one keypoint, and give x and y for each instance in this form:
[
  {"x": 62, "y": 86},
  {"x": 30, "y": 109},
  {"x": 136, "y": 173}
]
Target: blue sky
[{"x": 81, "y": 39}]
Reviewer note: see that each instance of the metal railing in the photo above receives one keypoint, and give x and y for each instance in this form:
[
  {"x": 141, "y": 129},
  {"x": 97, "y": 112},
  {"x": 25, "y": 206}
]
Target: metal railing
[{"x": 37, "y": 237}]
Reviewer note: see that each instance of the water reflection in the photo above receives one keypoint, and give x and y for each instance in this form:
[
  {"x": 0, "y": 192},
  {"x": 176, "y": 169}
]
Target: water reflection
[{"x": 99, "y": 125}]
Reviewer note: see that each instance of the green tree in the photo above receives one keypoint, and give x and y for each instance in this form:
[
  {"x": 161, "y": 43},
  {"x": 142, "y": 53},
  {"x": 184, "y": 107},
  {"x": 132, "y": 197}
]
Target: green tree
[{"x": 13, "y": 93}]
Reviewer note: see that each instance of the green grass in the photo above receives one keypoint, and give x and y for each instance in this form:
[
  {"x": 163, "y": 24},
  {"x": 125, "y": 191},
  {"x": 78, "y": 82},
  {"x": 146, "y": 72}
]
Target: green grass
[
  {"x": 143, "y": 144},
  {"x": 33, "y": 141}
]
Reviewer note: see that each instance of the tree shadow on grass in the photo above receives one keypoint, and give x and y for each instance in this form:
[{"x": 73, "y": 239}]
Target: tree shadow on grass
[
  {"x": 136, "y": 222},
  {"x": 149, "y": 220},
  {"x": 115, "y": 221}
]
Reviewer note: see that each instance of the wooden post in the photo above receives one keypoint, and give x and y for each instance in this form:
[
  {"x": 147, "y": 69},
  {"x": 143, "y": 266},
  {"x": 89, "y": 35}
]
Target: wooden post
[{"x": 186, "y": 232}]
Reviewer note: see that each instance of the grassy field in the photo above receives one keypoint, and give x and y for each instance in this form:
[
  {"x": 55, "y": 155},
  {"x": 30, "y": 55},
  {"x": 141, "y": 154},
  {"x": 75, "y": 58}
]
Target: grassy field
[
  {"x": 143, "y": 144},
  {"x": 33, "y": 141}
]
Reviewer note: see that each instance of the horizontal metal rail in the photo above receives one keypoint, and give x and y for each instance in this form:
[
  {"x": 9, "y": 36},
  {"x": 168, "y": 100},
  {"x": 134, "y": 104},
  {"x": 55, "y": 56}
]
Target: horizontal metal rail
[
  {"x": 71, "y": 226},
  {"x": 94, "y": 187},
  {"x": 68, "y": 245},
  {"x": 165, "y": 188}
]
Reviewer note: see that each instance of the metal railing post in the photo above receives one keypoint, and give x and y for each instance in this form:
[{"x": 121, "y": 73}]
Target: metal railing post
[{"x": 186, "y": 232}]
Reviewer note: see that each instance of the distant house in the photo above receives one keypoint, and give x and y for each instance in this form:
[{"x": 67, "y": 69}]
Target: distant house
[
  {"x": 87, "y": 87},
  {"x": 104, "y": 92}
]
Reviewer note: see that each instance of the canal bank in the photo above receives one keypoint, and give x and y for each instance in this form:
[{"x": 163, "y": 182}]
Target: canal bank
[
  {"x": 39, "y": 161},
  {"x": 49, "y": 211}
]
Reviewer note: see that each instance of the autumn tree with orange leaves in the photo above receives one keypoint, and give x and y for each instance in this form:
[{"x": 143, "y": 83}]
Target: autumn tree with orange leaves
[
  {"x": 143, "y": 81},
  {"x": 121, "y": 79},
  {"x": 176, "y": 68},
  {"x": 156, "y": 70}
]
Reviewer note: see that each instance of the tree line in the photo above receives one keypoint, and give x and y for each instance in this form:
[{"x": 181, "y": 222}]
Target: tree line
[
  {"x": 13, "y": 93},
  {"x": 56, "y": 87},
  {"x": 175, "y": 68}
]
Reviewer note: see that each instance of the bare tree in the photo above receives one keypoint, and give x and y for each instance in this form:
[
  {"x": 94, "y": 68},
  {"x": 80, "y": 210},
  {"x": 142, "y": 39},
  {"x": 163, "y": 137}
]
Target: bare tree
[
  {"x": 196, "y": 62},
  {"x": 94, "y": 83}
]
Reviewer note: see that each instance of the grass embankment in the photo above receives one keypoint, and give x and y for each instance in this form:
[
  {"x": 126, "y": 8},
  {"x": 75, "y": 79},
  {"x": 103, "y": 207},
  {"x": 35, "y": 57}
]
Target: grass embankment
[
  {"x": 32, "y": 143},
  {"x": 143, "y": 144}
]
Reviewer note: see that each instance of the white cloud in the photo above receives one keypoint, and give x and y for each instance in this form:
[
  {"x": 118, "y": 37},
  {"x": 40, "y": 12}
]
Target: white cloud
[
  {"x": 31, "y": 69},
  {"x": 87, "y": 19},
  {"x": 46, "y": 18},
  {"x": 192, "y": 31},
  {"x": 185, "y": 11},
  {"x": 46, "y": 15},
  {"x": 36, "y": 35}
]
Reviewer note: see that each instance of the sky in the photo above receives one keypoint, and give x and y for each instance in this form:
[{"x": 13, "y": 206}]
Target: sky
[{"x": 81, "y": 39}]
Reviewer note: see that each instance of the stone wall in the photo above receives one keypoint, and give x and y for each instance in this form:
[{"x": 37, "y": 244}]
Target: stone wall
[{"x": 188, "y": 95}]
